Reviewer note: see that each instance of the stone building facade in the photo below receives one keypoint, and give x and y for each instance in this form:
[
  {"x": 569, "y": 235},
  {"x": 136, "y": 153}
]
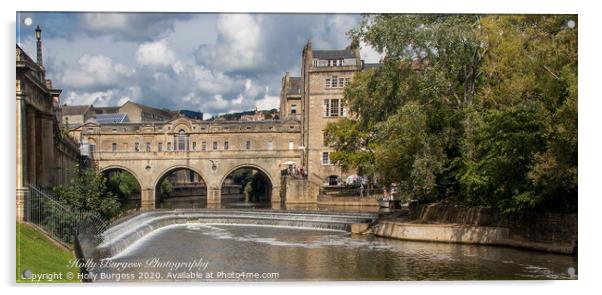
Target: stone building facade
[
  {"x": 45, "y": 155},
  {"x": 324, "y": 74},
  {"x": 290, "y": 97}
]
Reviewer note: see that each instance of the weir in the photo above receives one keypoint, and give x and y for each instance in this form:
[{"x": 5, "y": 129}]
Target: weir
[{"x": 124, "y": 233}]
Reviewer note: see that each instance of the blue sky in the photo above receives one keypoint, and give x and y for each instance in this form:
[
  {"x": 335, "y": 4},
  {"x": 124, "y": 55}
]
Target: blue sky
[{"x": 214, "y": 63}]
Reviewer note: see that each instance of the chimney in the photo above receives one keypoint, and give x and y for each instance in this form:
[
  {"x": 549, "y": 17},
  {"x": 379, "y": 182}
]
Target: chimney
[{"x": 39, "y": 46}]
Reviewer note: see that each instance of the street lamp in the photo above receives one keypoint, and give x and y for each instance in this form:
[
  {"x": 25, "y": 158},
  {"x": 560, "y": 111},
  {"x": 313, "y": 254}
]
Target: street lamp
[{"x": 38, "y": 33}]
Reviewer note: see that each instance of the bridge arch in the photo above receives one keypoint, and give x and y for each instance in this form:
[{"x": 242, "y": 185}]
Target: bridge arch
[
  {"x": 186, "y": 187},
  {"x": 166, "y": 171},
  {"x": 124, "y": 168},
  {"x": 248, "y": 165},
  {"x": 254, "y": 187},
  {"x": 129, "y": 194}
]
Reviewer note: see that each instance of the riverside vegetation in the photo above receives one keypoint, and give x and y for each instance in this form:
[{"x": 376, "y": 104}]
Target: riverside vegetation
[{"x": 476, "y": 110}]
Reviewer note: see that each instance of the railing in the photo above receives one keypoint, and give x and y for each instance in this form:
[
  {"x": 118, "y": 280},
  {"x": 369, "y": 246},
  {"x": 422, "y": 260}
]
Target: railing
[{"x": 43, "y": 209}]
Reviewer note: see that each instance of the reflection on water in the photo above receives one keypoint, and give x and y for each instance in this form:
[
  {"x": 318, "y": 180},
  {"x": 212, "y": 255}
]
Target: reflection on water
[{"x": 301, "y": 254}]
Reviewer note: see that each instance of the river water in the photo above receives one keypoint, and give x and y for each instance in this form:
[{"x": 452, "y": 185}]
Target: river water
[{"x": 216, "y": 252}]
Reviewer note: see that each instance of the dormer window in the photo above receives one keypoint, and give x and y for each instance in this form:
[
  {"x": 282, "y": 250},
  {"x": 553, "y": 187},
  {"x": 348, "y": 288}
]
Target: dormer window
[{"x": 335, "y": 62}]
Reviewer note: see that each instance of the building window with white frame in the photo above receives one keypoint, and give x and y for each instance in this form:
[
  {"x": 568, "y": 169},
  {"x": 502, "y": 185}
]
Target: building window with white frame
[
  {"x": 203, "y": 146},
  {"x": 114, "y": 147},
  {"x": 160, "y": 146},
  {"x": 293, "y": 109},
  {"x": 291, "y": 145},
  {"x": 270, "y": 145},
  {"x": 325, "y": 158},
  {"x": 333, "y": 107},
  {"x": 226, "y": 145}
]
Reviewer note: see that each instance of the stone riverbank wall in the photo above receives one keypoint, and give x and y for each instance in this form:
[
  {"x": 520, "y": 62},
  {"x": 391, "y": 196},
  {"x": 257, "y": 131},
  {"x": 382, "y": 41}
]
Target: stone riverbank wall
[{"x": 552, "y": 232}]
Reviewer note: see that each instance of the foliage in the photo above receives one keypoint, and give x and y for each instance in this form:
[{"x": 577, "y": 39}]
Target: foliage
[
  {"x": 123, "y": 185},
  {"x": 253, "y": 183},
  {"x": 166, "y": 188},
  {"x": 88, "y": 192},
  {"x": 481, "y": 110}
]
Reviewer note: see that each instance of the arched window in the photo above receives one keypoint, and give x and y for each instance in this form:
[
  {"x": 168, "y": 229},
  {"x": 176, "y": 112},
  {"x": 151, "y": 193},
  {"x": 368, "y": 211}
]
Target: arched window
[{"x": 182, "y": 140}]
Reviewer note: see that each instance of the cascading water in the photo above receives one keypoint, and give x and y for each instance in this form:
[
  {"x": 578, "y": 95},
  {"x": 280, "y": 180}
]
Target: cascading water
[{"x": 120, "y": 236}]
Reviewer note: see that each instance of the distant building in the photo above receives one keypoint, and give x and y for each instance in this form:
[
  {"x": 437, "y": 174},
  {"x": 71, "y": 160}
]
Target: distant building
[
  {"x": 254, "y": 117},
  {"x": 290, "y": 96},
  {"x": 112, "y": 118},
  {"x": 138, "y": 113},
  {"x": 128, "y": 112},
  {"x": 76, "y": 115}
]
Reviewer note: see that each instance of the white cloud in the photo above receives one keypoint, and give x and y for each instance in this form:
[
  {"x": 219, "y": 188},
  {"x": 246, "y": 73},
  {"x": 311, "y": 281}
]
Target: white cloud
[
  {"x": 238, "y": 45},
  {"x": 268, "y": 102},
  {"x": 105, "y": 21},
  {"x": 214, "y": 63},
  {"x": 155, "y": 54},
  {"x": 130, "y": 26},
  {"x": 94, "y": 72},
  {"x": 369, "y": 54}
]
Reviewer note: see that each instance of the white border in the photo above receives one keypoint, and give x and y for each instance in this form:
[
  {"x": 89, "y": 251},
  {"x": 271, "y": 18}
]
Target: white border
[{"x": 589, "y": 125}]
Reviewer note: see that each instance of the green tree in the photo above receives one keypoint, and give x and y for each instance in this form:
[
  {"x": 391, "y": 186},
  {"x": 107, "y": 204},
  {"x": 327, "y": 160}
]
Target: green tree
[
  {"x": 123, "y": 185},
  {"x": 481, "y": 110},
  {"x": 87, "y": 192},
  {"x": 166, "y": 188}
]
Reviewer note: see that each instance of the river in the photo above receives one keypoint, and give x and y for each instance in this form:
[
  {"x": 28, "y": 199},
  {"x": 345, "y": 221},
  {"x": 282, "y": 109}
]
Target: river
[{"x": 236, "y": 252}]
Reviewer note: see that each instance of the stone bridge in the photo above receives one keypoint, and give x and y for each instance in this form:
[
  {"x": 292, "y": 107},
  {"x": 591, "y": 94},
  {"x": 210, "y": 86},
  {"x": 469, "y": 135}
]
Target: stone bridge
[{"x": 150, "y": 151}]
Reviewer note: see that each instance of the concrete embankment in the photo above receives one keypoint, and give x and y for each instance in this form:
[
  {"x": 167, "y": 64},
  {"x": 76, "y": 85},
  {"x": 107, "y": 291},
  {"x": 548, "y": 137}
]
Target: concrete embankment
[
  {"x": 466, "y": 234},
  {"x": 555, "y": 233}
]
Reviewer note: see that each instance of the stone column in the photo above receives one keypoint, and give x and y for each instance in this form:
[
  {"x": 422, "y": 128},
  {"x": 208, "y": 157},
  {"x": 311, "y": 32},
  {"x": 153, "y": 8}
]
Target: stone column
[
  {"x": 276, "y": 194},
  {"x": 147, "y": 199},
  {"x": 49, "y": 168},
  {"x": 21, "y": 151},
  {"x": 214, "y": 195},
  {"x": 30, "y": 158}
]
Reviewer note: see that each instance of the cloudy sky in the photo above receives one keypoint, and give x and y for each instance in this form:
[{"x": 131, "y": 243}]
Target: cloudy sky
[{"x": 214, "y": 63}]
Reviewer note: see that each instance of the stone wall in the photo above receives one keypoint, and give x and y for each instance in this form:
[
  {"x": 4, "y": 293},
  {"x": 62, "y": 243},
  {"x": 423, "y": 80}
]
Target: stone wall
[
  {"x": 536, "y": 227},
  {"x": 297, "y": 191}
]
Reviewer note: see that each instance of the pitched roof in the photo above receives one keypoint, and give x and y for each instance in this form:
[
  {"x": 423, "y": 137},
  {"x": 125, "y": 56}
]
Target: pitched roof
[
  {"x": 106, "y": 110},
  {"x": 75, "y": 110},
  {"x": 148, "y": 109},
  {"x": 112, "y": 118},
  {"x": 294, "y": 85},
  {"x": 372, "y": 65},
  {"x": 333, "y": 54}
]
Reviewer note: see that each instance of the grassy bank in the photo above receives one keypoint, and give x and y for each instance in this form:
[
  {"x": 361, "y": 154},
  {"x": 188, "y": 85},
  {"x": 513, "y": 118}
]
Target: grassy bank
[{"x": 40, "y": 255}]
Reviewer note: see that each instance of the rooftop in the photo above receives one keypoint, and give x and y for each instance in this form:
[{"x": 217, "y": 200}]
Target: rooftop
[
  {"x": 75, "y": 110},
  {"x": 333, "y": 54},
  {"x": 294, "y": 85},
  {"x": 112, "y": 118}
]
